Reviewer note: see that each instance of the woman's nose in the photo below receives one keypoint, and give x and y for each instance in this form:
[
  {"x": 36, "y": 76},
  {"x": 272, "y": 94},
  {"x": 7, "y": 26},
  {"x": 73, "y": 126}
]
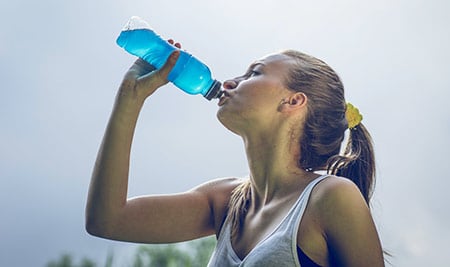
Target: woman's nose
[{"x": 230, "y": 84}]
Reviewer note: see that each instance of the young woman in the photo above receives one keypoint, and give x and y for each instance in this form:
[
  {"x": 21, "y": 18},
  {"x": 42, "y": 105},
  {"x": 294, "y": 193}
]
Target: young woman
[{"x": 290, "y": 111}]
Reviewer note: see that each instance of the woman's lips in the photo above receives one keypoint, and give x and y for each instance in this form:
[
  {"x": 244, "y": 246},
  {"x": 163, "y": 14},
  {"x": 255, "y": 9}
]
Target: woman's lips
[{"x": 223, "y": 98}]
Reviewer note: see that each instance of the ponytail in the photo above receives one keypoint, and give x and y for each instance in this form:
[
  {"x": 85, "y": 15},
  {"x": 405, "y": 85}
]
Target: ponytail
[{"x": 357, "y": 162}]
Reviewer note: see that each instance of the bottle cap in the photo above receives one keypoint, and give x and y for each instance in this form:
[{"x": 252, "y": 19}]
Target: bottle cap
[
  {"x": 136, "y": 23},
  {"x": 214, "y": 91}
]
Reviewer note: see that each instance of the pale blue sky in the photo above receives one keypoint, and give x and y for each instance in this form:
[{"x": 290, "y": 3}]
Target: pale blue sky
[{"x": 60, "y": 68}]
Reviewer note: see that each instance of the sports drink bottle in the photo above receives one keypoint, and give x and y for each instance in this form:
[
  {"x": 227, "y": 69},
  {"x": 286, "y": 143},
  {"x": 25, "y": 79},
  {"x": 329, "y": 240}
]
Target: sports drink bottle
[{"x": 189, "y": 74}]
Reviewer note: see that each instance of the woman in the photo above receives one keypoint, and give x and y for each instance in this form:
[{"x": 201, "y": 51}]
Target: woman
[{"x": 290, "y": 111}]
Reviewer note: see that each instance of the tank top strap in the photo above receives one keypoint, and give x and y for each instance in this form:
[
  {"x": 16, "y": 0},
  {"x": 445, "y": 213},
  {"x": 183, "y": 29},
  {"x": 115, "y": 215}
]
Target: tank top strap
[
  {"x": 292, "y": 223},
  {"x": 304, "y": 196},
  {"x": 300, "y": 206}
]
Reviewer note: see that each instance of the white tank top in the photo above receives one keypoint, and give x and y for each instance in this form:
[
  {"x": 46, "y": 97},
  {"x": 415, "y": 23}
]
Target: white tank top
[{"x": 277, "y": 249}]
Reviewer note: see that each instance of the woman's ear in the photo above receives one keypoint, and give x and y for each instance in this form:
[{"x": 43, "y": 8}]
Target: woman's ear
[{"x": 293, "y": 102}]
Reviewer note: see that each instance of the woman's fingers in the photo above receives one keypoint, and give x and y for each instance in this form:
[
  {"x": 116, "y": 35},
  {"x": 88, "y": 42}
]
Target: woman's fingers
[
  {"x": 172, "y": 42},
  {"x": 158, "y": 78}
]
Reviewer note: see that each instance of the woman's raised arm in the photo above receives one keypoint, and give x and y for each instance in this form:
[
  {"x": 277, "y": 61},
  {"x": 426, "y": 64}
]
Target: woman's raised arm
[{"x": 152, "y": 219}]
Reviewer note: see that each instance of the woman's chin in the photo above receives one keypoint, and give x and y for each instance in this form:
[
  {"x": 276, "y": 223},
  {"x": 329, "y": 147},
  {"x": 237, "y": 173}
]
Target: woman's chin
[{"x": 226, "y": 120}]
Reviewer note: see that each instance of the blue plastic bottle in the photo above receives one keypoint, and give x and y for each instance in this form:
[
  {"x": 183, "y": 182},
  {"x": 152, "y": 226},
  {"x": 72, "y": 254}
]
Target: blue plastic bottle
[{"x": 189, "y": 74}]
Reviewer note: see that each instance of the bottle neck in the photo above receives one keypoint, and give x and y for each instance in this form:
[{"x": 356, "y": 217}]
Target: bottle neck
[{"x": 214, "y": 91}]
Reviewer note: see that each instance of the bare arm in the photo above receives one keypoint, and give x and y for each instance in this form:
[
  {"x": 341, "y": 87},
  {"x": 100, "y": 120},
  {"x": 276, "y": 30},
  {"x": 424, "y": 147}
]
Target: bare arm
[
  {"x": 349, "y": 229},
  {"x": 154, "y": 219}
]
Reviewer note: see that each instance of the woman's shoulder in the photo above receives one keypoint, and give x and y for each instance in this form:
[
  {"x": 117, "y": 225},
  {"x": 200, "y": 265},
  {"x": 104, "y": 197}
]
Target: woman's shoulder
[
  {"x": 345, "y": 221},
  {"x": 218, "y": 192},
  {"x": 334, "y": 194},
  {"x": 216, "y": 186},
  {"x": 334, "y": 184}
]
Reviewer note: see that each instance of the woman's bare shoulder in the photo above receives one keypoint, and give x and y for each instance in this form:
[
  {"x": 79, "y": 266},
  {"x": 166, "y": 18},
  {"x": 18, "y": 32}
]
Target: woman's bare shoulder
[
  {"x": 336, "y": 192},
  {"x": 346, "y": 222},
  {"x": 218, "y": 191},
  {"x": 219, "y": 186},
  {"x": 335, "y": 186}
]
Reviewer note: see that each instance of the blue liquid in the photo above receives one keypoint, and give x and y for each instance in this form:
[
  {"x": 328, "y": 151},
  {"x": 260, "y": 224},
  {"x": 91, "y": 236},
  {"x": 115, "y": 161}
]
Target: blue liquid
[{"x": 188, "y": 74}]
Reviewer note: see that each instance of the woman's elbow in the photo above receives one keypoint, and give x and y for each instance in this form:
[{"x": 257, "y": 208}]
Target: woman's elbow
[
  {"x": 96, "y": 226},
  {"x": 92, "y": 227}
]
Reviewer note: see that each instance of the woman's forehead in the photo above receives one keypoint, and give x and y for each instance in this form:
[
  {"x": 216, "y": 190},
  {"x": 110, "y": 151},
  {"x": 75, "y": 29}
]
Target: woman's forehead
[
  {"x": 275, "y": 63},
  {"x": 276, "y": 60}
]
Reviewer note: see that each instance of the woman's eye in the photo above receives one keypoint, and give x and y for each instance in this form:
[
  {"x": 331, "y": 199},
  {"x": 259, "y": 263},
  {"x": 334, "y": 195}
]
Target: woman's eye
[{"x": 253, "y": 73}]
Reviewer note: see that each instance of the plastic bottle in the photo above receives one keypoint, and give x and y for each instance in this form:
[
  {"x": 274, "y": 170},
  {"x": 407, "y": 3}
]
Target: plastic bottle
[{"x": 189, "y": 74}]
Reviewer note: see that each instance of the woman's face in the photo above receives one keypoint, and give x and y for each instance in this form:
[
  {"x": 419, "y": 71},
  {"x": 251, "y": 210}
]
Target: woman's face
[{"x": 252, "y": 101}]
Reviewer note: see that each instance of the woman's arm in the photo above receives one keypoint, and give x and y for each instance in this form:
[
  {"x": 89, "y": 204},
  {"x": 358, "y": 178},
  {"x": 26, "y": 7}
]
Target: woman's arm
[
  {"x": 146, "y": 219},
  {"x": 349, "y": 229}
]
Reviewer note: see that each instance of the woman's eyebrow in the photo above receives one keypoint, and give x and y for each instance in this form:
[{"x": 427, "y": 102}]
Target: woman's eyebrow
[{"x": 254, "y": 64}]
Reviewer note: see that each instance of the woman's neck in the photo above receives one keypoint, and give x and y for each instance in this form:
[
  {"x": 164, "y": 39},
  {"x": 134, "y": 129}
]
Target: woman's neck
[{"x": 274, "y": 170}]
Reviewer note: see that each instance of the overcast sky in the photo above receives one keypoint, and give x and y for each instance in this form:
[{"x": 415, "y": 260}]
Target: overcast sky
[{"x": 60, "y": 68}]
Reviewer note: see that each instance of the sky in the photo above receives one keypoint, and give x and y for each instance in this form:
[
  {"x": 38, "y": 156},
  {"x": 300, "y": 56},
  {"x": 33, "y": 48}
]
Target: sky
[{"x": 60, "y": 69}]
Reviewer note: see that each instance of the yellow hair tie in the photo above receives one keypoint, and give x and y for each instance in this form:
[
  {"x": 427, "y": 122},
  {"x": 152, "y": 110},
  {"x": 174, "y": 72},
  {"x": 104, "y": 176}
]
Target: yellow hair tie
[{"x": 353, "y": 116}]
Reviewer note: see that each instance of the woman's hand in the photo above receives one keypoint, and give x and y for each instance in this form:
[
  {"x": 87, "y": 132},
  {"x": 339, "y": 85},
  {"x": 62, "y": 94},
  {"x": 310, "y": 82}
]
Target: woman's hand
[{"x": 142, "y": 79}]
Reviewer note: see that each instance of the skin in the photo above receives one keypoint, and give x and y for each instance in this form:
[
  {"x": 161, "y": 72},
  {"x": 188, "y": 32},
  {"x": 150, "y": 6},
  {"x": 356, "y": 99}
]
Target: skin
[{"x": 337, "y": 228}]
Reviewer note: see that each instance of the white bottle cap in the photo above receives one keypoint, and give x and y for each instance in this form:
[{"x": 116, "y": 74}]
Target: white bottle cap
[{"x": 136, "y": 23}]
